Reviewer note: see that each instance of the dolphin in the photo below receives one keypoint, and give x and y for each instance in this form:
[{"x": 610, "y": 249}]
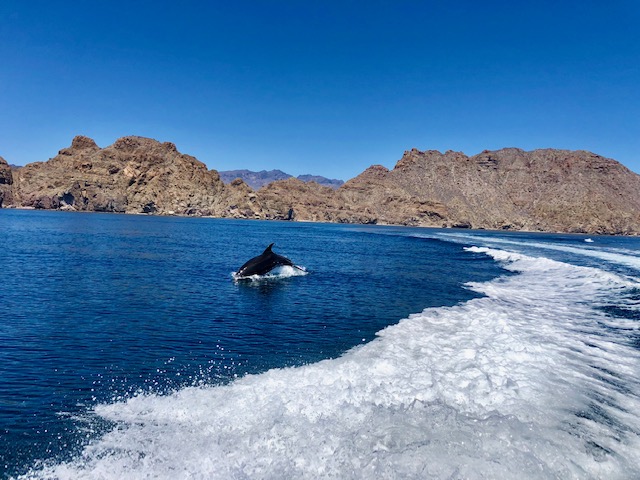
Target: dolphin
[{"x": 264, "y": 263}]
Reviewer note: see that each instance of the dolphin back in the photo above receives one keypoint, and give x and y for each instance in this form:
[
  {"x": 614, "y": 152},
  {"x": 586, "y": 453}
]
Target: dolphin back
[{"x": 282, "y": 260}]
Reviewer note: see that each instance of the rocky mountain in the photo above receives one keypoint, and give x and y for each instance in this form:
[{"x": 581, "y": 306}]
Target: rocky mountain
[
  {"x": 510, "y": 189},
  {"x": 257, "y": 180},
  {"x": 134, "y": 175},
  {"x": 541, "y": 190}
]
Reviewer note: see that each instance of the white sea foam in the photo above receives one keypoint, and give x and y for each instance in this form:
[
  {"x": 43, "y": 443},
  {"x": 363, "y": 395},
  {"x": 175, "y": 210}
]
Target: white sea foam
[
  {"x": 530, "y": 381},
  {"x": 283, "y": 271},
  {"x": 619, "y": 256}
]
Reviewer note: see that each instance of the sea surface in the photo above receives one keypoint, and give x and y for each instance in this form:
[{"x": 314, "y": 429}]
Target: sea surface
[{"x": 127, "y": 350}]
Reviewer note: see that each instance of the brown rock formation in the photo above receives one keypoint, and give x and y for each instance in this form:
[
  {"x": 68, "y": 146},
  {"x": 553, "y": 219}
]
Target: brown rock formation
[
  {"x": 542, "y": 190},
  {"x": 134, "y": 175},
  {"x": 545, "y": 190},
  {"x": 309, "y": 201},
  {"x": 242, "y": 201},
  {"x": 380, "y": 198},
  {"x": 6, "y": 182}
]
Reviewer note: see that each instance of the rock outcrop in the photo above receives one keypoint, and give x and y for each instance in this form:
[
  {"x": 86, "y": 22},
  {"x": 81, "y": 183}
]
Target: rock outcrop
[
  {"x": 509, "y": 189},
  {"x": 242, "y": 201},
  {"x": 134, "y": 175},
  {"x": 310, "y": 201},
  {"x": 6, "y": 183},
  {"x": 541, "y": 190}
]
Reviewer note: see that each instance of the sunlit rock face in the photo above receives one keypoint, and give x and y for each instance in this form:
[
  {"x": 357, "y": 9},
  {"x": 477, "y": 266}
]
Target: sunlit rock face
[
  {"x": 134, "y": 175},
  {"x": 508, "y": 189},
  {"x": 541, "y": 190},
  {"x": 6, "y": 180}
]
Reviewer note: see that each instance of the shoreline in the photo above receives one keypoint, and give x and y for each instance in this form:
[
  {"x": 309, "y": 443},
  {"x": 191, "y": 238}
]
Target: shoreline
[{"x": 381, "y": 224}]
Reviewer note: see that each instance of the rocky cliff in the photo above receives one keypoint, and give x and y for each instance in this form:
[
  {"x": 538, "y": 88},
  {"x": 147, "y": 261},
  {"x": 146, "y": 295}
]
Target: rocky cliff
[
  {"x": 6, "y": 183},
  {"x": 541, "y": 190},
  {"x": 310, "y": 201},
  {"x": 134, "y": 175}
]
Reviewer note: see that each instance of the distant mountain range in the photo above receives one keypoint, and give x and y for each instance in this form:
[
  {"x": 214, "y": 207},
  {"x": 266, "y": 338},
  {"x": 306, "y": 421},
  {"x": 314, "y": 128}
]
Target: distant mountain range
[{"x": 257, "y": 180}]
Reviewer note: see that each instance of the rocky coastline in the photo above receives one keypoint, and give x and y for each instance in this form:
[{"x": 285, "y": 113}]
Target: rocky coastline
[{"x": 544, "y": 190}]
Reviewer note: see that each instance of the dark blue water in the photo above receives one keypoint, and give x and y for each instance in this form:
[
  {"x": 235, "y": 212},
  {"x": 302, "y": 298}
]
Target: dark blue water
[{"x": 97, "y": 307}]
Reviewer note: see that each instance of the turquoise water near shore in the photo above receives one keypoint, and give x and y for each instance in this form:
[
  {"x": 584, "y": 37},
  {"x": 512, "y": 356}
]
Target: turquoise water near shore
[{"x": 126, "y": 349}]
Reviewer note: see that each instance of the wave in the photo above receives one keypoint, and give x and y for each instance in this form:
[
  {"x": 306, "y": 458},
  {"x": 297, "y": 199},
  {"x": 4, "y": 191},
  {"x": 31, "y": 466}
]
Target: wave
[
  {"x": 619, "y": 256},
  {"x": 533, "y": 379}
]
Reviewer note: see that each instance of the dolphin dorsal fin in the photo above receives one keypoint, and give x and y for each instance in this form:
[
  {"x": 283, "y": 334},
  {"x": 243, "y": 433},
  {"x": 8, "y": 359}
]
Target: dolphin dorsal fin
[{"x": 268, "y": 249}]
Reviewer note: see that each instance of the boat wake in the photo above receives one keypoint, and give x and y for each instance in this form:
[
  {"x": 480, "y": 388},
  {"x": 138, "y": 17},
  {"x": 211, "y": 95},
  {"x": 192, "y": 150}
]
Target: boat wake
[{"x": 532, "y": 380}]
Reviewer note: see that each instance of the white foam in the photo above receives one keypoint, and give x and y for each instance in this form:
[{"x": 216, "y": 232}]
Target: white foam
[
  {"x": 529, "y": 382},
  {"x": 283, "y": 271},
  {"x": 618, "y": 256}
]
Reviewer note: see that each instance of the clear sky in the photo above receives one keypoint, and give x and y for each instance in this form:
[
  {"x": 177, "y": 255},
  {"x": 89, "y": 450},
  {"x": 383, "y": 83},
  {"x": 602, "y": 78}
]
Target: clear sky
[{"x": 321, "y": 87}]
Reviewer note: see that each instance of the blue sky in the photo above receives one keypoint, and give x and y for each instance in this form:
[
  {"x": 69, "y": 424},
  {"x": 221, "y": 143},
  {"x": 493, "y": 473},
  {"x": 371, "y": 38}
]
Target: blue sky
[{"x": 325, "y": 88}]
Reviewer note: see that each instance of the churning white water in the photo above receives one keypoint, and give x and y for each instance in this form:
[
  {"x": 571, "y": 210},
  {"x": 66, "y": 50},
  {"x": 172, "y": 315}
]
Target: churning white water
[
  {"x": 282, "y": 271},
  {"x": 532, "y": 380}
]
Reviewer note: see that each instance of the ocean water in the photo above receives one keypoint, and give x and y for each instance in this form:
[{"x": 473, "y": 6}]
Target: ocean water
[{"x": 128, "y": 351}]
